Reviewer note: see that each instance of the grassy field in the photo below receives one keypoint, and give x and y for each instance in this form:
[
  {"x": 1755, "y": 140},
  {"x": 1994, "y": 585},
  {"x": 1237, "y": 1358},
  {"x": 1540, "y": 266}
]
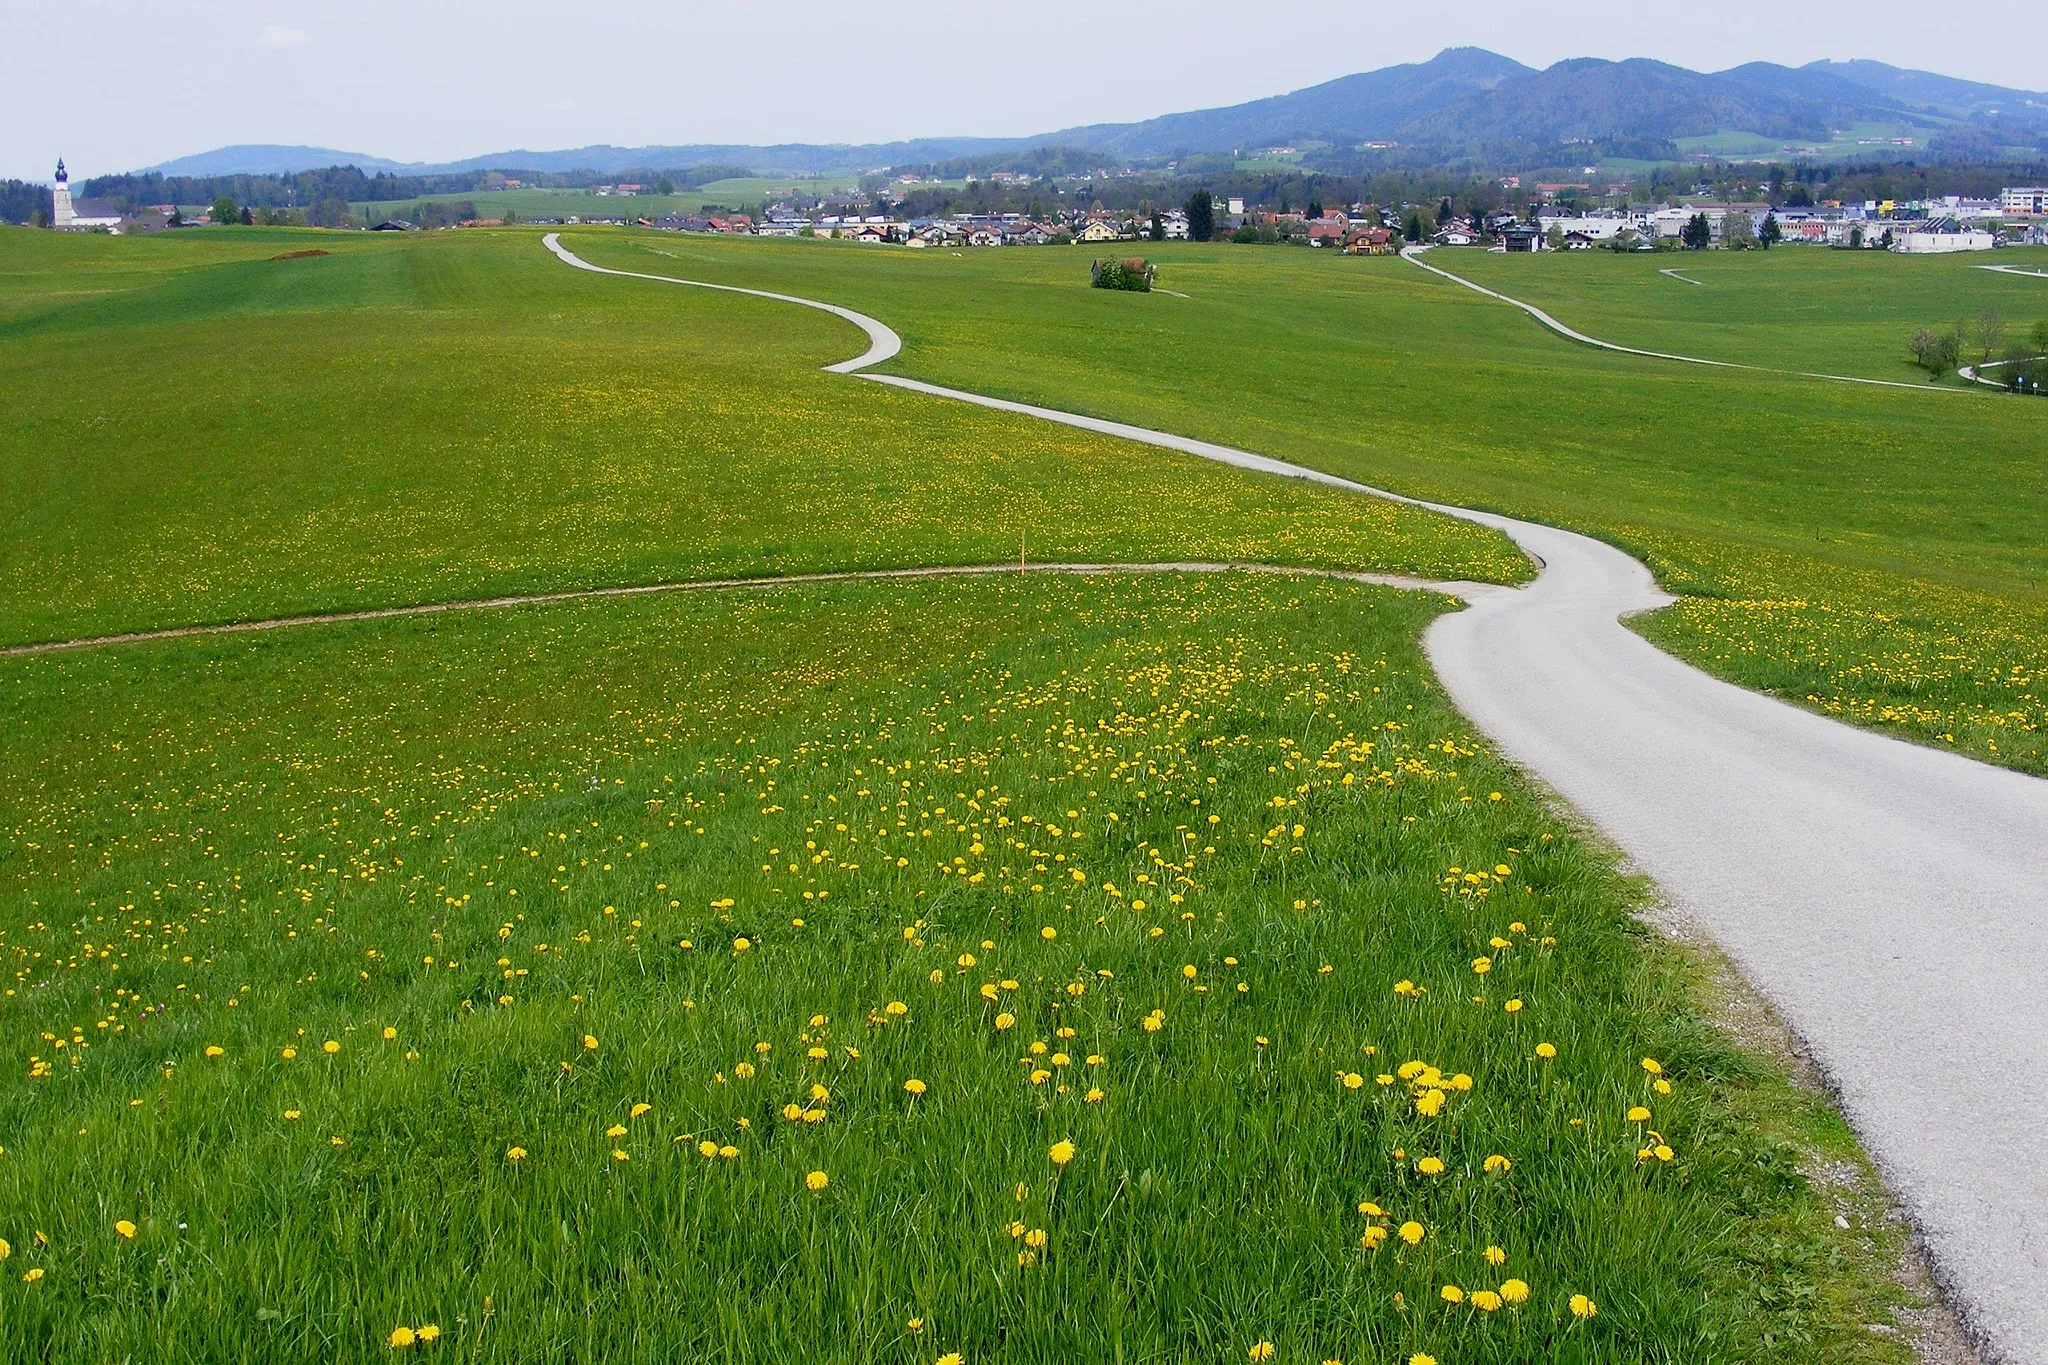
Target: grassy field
[
  {"x": 200, "y": 432},
  {"x": 737, "y": 194},
  {"x": 1020, "y": 969},
  {"x": 1879, "y": 554},
  {"x": 1800, "y": 307}
]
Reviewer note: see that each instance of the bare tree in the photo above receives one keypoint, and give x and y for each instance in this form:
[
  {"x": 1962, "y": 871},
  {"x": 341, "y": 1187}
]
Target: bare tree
[{"x": 1989, "y": 332}]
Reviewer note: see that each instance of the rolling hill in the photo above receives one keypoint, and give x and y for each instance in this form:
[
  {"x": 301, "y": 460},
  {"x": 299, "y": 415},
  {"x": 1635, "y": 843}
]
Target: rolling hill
[{"x": 1462, "y": 101}]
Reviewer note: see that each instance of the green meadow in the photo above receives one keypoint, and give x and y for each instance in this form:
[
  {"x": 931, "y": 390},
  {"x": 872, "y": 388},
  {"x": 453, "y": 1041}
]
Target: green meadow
[
  {"x": 460, "y": 416},
  {"x": 1880, "y": 554},
  {"x": 1795, "y": 308},
  {"x": 1032, "y": 969},
  {"x": 1015, "y": 968}
]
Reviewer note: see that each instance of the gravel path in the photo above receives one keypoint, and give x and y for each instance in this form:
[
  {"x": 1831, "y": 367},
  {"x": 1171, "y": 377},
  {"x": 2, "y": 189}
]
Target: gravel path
[{"x": 1467, "y": 591}]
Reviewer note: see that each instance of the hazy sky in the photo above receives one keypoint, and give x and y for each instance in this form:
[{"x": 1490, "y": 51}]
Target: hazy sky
[{"x": 119, "y": 84}]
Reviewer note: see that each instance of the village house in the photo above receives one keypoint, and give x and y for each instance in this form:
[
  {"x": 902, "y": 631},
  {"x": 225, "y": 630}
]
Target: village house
[
  {"x": 1521, "y": 237},
  {"x": 1372, "y": 241}
]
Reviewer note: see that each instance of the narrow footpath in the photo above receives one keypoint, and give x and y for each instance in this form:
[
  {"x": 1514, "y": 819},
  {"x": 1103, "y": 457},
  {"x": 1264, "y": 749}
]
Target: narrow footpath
[{"x": 1891, "y": 900}]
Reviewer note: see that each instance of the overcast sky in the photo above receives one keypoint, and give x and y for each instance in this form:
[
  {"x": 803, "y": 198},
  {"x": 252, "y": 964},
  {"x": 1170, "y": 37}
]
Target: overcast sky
[{"x": 115, "y": 85}]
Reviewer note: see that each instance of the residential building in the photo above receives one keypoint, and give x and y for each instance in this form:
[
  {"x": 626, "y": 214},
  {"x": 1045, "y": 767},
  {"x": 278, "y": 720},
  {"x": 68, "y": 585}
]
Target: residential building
[
  {"x": 2029, "y": 199},
  {"x": 1942, "y": 235},
  {"x": 1521, "y": 237}
]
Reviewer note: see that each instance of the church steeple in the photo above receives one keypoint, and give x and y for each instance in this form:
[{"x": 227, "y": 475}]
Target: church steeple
[{"x": 62, "y": 176}]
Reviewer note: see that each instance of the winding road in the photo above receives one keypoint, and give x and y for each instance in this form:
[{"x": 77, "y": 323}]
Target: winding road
[{"x": 1889, "y": 899}]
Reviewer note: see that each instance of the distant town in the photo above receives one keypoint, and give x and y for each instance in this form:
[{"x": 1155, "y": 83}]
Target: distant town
[{"x": 1544, "y": 217}]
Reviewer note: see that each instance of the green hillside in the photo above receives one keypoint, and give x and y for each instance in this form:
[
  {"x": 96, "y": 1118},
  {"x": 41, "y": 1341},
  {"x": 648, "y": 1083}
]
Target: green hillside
[
  {"x": 1876, "y": 553},
  {"x": 1011, "y": 968}
]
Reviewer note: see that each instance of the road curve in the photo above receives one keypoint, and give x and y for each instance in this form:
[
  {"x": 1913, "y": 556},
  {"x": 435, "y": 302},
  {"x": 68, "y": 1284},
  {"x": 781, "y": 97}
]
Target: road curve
[
  {"x": 1889, "y": 899},
  {"x": 1413, "y": 255}
]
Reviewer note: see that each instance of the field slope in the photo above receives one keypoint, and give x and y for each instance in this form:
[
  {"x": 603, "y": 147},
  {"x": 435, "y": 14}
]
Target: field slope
[{"x": 1879, "y": 554}]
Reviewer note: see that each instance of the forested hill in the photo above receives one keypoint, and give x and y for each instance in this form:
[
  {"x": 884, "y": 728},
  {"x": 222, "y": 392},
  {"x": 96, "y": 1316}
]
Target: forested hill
[{"x": 1465, "y": 105}]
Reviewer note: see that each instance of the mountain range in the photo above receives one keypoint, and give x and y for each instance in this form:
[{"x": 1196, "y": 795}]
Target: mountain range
[{"x": 1464, "y": 101}]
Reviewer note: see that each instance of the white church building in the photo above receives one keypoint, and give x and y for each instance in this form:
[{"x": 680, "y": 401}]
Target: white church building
[{"x": 83, "y": 215}]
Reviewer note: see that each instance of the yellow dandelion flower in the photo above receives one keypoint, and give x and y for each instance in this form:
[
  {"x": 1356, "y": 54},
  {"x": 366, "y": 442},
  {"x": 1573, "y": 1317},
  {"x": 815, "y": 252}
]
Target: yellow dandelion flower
[
  {"x": 707, "y": 1149},
  {"x": 1261, "y": 1350},
  {"x": 427, "y": 1331},
  {"x": 1005, "y": 1021},
  {"x": 288, "y": 1053},
  {"x": 1061, "y": 1152},
  {"x": 1584, "y": 1308},
  {"x": 31, "y": 1275},
  {"x": 1430, "y": 1165},
  {"x": 1450, "y": 1293},
  {"x": 1638, "y": 1114},
  {"x": 1546, "y": 1050},
  {"x": 1495, "y": 1256},
  {"x": 816, "y": 1180},
  {"x": 1353, "y": 1081},
  {"x": 1035, "y": 1238},
  {"x": 515, "y": 1154},
  {"x": 1655, "y": 1068},
  {"x": 1482, "y": 965},
  {"x": 637, "y": 1110},
  {"x": 914, "y": 1086},
  {"x": 617, "y": 1130},
  {"x": 389, "y": 1034},
  {"x": 400, "y": 1338},
  {"x": 1513, "y": 1292},
  {"x": 589, "y": 1043},
  {"x": 215, "y": 1051},
  {"x": 1372, "y": 1238},
  {"x": 1497, "y": 1165},
  {"x": 125, "y": 1228},
  {"x": 1486, "y": 1301},
  {"x": 1412, "y": 1233}
]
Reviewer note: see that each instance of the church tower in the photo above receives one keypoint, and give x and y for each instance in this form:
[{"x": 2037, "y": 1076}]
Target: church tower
[{"x": 64, "y": 214}]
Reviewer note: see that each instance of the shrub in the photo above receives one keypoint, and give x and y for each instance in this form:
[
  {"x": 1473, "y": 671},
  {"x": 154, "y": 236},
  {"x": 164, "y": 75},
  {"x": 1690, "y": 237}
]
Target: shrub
[
  {"x": 1245, "y": 235},
  {"x": 1134, "y": 274}
]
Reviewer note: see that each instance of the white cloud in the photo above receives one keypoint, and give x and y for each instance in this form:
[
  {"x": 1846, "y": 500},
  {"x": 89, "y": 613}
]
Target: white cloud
[{"x": 277, "y": 37}]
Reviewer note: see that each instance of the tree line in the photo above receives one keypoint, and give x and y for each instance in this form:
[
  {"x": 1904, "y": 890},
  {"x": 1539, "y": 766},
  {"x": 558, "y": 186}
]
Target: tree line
[
  {"x": 22, "y": 202},
  {"x": 348, "y": 184},
  {"x": 2020, "y": 357}
]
